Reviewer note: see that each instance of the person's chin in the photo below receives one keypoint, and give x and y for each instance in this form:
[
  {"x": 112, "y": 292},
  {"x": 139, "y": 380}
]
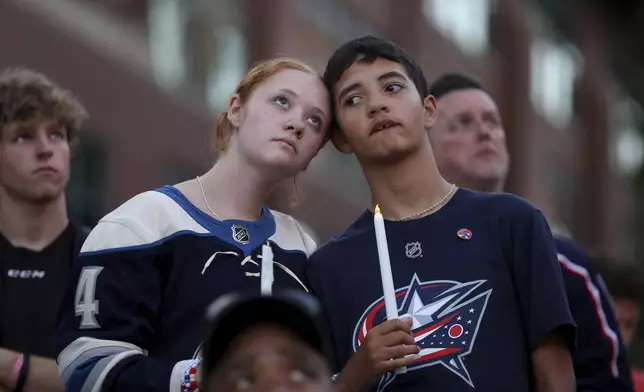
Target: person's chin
[
  {"x": 281, "y": 165},
  {"x": 490, "y": 175},
  {"x": 44, "y": 196},
  {"x": 391, "y": 153}
]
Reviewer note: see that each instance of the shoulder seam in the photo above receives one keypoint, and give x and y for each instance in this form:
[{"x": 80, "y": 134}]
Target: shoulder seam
[{"x": 127, "y": 227}]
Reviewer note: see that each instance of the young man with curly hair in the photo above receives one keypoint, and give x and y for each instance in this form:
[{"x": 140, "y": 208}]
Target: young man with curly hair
[{"x": 39, "y": 124}]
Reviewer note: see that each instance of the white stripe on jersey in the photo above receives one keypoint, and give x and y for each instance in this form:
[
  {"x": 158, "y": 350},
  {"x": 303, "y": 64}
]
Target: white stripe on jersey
[{"x": 599, "y": 310}]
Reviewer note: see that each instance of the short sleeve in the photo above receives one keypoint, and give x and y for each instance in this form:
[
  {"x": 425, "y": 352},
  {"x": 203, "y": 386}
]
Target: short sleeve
[{"x": 537, "y": 278}]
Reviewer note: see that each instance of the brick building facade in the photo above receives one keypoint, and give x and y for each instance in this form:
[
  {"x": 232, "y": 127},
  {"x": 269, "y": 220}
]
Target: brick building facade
[{"x": 153, "y": 79}]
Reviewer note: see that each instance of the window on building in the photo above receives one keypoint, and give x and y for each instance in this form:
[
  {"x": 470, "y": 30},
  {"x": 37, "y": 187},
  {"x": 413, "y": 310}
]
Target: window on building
[
  {"x": 166, "y": 24},
  {"x": 228, "y": 65},
  {"x": 553, "y": 72},
  {"x": 628, "y": 144},
  {"x": 466, "y": 22},
  {"x": 199, "y": 43}
]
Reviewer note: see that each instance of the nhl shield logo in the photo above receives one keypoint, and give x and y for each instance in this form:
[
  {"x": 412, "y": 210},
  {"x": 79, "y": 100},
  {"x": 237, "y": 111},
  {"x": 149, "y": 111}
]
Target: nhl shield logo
[
  {"x": 413, "y": 250},
  {"x": 240, "y": 234}
]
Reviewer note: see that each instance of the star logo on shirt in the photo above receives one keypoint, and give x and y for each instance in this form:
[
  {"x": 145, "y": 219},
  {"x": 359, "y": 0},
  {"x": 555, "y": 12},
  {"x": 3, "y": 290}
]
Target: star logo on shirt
[{"x": 453, "y": 308}]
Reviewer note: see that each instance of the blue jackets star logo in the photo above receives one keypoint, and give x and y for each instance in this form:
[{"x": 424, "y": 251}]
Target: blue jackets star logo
[{"x": 446, "y": 317}]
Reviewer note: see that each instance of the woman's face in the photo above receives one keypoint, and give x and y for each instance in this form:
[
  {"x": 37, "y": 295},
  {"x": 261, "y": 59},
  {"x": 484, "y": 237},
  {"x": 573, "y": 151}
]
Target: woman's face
[{"x": 284, "y": 122}]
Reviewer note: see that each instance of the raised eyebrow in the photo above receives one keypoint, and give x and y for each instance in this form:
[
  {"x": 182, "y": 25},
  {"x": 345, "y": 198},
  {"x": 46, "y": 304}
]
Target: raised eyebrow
[
  {"x": 391, "y": 75},
  {"x": 288, "y": 92}
]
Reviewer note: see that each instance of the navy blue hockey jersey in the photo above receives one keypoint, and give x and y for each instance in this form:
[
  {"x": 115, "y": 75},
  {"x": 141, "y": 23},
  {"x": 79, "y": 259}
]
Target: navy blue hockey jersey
[
  {"x": 479, "y": 278},
  {"x": 601, "y": 362},
  {"x": 133, "y": 314}
]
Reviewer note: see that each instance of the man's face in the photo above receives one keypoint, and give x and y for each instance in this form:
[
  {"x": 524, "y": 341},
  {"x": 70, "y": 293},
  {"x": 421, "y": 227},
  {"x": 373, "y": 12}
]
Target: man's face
[
  {"x": 34, "y": 160},
  {"x": 269, "y": 358},
  {"x": 379, "y": 111},
  {"x": 469, "y": 141},
  {"x": 628, "y": 316}
]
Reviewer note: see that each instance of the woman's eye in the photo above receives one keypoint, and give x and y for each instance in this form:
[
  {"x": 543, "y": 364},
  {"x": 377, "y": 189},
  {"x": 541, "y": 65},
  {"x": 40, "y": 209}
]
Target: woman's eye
[
  {"x": 281, "y": 101},
  {"x": 315, "y": 120}
]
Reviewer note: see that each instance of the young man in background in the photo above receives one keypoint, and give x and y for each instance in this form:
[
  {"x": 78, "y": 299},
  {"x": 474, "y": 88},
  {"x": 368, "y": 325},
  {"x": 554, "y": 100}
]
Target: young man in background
[{"x": 39, "y": 124}]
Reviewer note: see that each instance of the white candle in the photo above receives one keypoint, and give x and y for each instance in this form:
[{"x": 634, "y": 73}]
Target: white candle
[
  {"x": 391, "y": 307},
  {"x": 267, "y": 270}
]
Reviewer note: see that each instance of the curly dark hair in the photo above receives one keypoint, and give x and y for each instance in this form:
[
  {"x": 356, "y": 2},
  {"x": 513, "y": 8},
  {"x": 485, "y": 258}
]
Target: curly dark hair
[{"x": 26, "y": 95}]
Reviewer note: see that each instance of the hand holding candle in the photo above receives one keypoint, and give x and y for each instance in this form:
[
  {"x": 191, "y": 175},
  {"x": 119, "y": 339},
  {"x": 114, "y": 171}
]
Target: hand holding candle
[
  {"x": 267, "y": 269},
  {"x": 391, "y": 307}
]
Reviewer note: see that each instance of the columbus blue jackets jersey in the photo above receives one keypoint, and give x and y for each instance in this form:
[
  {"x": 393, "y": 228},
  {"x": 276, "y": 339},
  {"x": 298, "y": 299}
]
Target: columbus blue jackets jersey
[
  {"x": 600, "y": 360},
  {"x": 133, "y": 313},
  {"x": 479, "y": 278}
]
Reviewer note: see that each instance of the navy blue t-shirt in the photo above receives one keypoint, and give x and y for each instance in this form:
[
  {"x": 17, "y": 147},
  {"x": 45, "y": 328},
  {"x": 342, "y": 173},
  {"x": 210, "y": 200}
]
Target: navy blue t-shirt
[
  {"x": 479, "y": 277},
  {"x": 601, "y": 362}
]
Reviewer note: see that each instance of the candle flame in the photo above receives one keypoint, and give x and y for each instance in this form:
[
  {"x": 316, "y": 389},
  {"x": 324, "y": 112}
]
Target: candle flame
[{"x": 377, "y": 209}]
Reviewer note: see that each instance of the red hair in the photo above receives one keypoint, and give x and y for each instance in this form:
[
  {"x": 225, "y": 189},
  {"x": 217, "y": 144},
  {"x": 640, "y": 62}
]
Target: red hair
[{"x": 258, "y": 74}]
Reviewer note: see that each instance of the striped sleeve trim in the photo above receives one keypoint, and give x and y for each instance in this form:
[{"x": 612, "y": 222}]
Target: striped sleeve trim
[
  {"x": 86, "y": 362},
  {"x": 595, "y": 295},
  {"x": 95, "y": 379}
]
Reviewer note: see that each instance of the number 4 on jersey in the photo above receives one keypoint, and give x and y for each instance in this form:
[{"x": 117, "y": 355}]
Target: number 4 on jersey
[{"x": 86, "y": 305}]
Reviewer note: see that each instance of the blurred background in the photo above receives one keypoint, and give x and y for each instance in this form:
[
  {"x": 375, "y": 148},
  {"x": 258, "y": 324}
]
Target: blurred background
[{"x": 568, "y": 76}]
